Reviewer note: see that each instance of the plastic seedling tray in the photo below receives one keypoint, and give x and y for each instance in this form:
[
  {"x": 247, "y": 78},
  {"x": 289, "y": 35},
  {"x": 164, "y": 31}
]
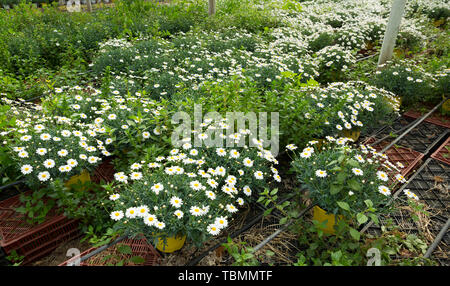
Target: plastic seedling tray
[
  {"x": 431, "y": 186},
  {"x": 33, "y": 241},
  {"x": 139, "y": 247},
  {"x": 442, "y": 153},
  {"x": 421, "y": 139},
  {"x": 397, "y": 154},
  {"x": 435, "y": 118}
]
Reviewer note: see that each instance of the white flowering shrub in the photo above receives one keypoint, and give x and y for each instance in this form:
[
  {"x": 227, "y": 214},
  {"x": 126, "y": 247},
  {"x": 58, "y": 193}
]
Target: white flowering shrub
[
  {"x": 46, "y": 148},
  {"x": 407, "y": 80},
  {"x": 334, "y": 61},
  {"x": 191, "y": 192},
  {"x": 348, "y": 106},
  {"x": 123, "y": 122},
  {"x": 345, "y": 180}
]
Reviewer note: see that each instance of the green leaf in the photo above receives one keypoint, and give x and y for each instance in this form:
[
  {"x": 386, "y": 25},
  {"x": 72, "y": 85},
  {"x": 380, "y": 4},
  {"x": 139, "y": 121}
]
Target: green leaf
[
  {"x": 120, "y": 263},
  {"x": 343, "y": 205},
  {"x": 374, "y": 218},
  {"x": 124, "y": 249},
  {"x": 336, "y": 256},
  {"x": 354, "y": 185},
  {"x": 354, "y": 233},
  {"x": 361, "y": 218},
  {"x": 283, "y": 220},
  {"x": 368, "y": 203},
  {"x": 334, "y": 189},
  {"x": 341, "y": 178},
  {"x": 137, "y": 260},
  {"x": 353, "y": 163}
]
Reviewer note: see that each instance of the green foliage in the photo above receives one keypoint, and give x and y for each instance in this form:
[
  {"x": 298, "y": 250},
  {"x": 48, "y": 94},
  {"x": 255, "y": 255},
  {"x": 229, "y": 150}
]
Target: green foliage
[
  {"x": 242, "y": 255},
  {"x": 409, "y": 82},
  {"x": 15, "y": 258},
  {"x": 338, "y": 176}
]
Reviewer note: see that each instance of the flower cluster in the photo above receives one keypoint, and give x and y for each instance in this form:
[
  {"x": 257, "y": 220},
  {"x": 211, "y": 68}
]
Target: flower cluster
[
  {"x": 46, "y": 148},
  {"x": 191, "y": 191},
  {"x": 350, "y": 106},
  {"x": 125, "y": 120},
  {"x": 334, "y": 172}
]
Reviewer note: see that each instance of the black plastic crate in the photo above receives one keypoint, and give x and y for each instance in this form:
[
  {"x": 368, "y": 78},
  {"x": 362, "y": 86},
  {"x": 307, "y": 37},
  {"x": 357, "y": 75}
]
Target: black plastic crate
[{"x": 422, "y": 138}]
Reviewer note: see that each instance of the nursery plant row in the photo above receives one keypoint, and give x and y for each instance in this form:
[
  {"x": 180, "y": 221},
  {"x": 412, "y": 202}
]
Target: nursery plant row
[{"x": 167, "y": 126}]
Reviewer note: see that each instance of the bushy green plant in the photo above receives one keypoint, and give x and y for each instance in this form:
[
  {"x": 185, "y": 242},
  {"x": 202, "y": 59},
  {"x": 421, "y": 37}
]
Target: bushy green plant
[
  {"x": 334, "y": 61},
  {"x": 412, "y": 84},
  {"x": 192, "y": 191},
  {"x": 346, "y": 181}
]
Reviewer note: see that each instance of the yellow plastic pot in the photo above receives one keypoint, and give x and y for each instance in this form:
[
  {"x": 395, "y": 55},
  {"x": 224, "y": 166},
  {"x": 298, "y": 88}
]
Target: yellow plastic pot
[
  {"x": 352, "y": 133},
  {"x": 321, "y": 215},
  {"x": 446, "y": 106},
  {"x": 396, "y": 101},
  {"x": 83, "y": 177},
  {"x": 172, "y": 244}
]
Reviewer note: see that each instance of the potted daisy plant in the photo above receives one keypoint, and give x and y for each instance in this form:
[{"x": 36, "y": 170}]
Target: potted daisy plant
[
  {"x": 346, "y": 182},
  {"x": 191, "y": 194}
]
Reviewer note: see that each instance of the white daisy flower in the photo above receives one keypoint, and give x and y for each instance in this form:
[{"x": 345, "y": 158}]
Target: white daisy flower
[
  {"x": 41, "y": 151},
  {"x": 121, "y": 177},
  {"x": 156, "y": 188},
  {"x": 247, "y": 191},
  {"x": 72, "y": 163},
  {"x": 305, "y": 155},
  {"x": 234, "y": 154},
  {"x": 131, "y": 213},
  {"x": 62, "y": 153},
  {"x": 258, "y": 175},
  {"x": 213, "y": 183},
  {"x": 195, "y": 211},
  {"x": 114, "y": 197},
  {"x": 400, "y": 178},
  {"x": 231, "y": 208},
  {"x": 26, "y": 169},
  {"x": 248, "y": 162},
  {"x": 135, "y": 166},
  {"x": 321, "y": 173},
  {"x": 179, "y": 214},
  {"x": 357, "y": 171},
  {"x": 149, "y": 219},
  {"x": 116, "y": 215},
  {"x": 136, "y": 176},
  {"x": 23, "y": 154},
  {"x": 196, "y": 185},
  {"x": 384, "y": 190},
  {"x": 210, "y": 195},
  {"x": 176, "y": 202},
  {"x": 221, "y": 222},
  {"x": 43, "y": 176},
  {"x": 410, "y": 194},
  {"x": 221, "y": 152},
  {"x": 382, "y": 176},
  {"x": 213, "y": 229},
  {"x": 45, "y": 136}
]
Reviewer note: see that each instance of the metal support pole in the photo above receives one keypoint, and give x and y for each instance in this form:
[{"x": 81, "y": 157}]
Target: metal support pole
[
  {"x": 390, "y": 36},
  {"x": 212, "y": 7},
  {"x": 437, "y": 239},
  {"x": 89, "y": 5}
]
